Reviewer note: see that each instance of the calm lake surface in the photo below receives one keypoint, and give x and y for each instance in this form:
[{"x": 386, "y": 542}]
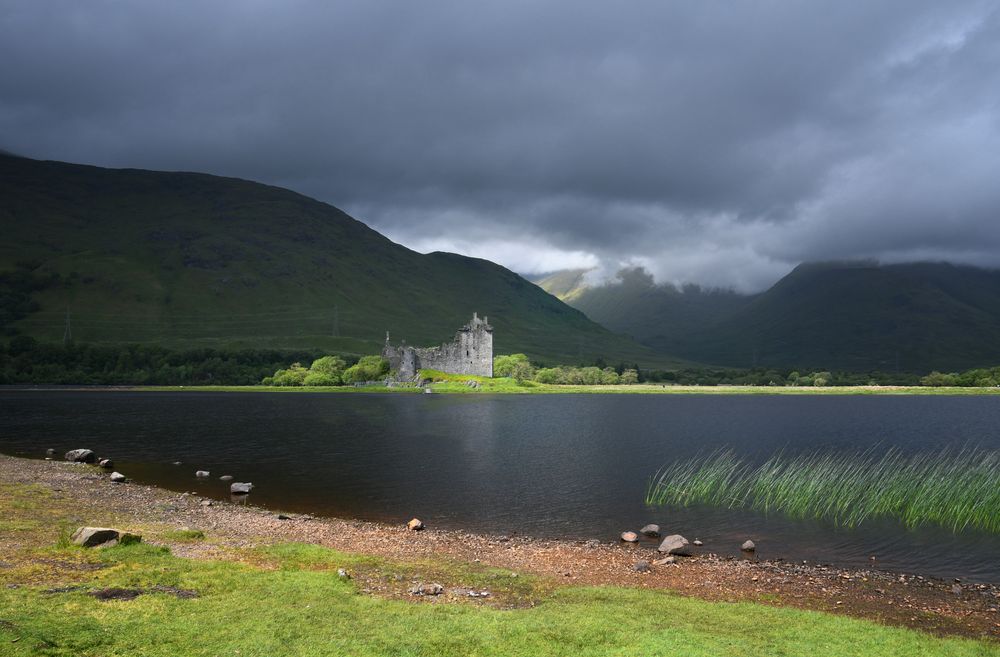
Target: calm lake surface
[{"x": 564, "y": 466}]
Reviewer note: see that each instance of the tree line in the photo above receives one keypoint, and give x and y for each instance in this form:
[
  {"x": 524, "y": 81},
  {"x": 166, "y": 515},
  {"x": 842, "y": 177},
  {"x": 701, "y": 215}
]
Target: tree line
[{"x": 24, "y": 360}]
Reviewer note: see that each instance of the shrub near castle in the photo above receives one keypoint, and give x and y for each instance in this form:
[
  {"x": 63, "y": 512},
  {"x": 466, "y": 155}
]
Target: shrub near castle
[
  {"x": 330, "y": 371},
  {"x": 518, "y": 367},
  {"x": 369, "y": 368}
]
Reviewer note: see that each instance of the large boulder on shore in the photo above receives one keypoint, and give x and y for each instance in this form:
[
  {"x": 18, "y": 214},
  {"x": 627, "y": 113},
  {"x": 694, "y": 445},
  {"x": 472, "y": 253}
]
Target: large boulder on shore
[
  {"x": 675, "y": 544},
  {"x": 81, "y": 456},
  {"x": 102, "y": 537},
  {"x": 240, "y": 488}
]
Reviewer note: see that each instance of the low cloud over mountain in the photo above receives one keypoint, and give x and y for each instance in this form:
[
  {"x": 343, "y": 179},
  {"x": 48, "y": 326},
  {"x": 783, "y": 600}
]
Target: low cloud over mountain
[{"x": 715, "y": 143}]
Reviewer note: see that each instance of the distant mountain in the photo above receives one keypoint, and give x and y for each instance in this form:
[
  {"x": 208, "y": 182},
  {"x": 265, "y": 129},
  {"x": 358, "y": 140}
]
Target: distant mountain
[
  {"x": 657, "y": 315},
  {"x": 566, "y": 284},
  {"x": 187, "y": 259},
  {"x": 851, "y": 316}
]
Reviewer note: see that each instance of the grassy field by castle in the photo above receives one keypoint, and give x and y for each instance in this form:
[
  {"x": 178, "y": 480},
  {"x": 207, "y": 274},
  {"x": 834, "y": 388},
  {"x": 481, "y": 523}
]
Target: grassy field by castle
[{"x": 459, "y": 385}]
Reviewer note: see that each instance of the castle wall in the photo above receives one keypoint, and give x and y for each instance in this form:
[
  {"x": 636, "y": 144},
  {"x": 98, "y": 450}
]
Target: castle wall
[{"x": 471, "y": 352}]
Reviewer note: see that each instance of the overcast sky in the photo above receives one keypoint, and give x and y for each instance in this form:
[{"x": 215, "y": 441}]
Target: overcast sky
[{"x": 712, "y": 142}]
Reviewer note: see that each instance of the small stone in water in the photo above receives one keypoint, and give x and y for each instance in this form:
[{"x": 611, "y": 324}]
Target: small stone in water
[
  {"x": 748, "y": 546},
  {"x": 675, "y": 544},
  {"x": 630, "y": 537},
  {"x": 202, "y": 474}
]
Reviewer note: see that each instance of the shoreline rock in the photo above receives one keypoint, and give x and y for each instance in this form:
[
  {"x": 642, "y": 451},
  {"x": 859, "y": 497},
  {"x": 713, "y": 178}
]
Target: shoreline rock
[
  {"x": 675, "y": 544},
  {"x": 102, "y": 537},
  {"x": 240, "y": 488},
  {"x": 81, "y": 456}
]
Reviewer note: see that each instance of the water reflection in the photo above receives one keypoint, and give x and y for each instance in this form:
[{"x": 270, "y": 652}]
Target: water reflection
[{"x": 567, "y": 466}]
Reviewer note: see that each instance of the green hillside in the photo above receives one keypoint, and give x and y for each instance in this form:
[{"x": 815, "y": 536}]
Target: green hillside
[
  {"x": 841, "y": 316},
  {"x": 187, "y": 260}
]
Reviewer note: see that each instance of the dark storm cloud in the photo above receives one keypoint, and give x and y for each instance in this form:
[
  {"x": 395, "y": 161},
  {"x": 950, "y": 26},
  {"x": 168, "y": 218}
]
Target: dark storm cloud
[{"x": 713, "y": 142}]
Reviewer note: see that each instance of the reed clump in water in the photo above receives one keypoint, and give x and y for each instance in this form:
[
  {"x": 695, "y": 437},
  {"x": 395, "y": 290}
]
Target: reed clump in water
[{"x": 956, "y": 489}]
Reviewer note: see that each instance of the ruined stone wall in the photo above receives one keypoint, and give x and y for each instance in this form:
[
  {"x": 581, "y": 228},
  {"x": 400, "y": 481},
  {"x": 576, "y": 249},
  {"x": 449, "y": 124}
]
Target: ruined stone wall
[{"x": 471, "y": 352}]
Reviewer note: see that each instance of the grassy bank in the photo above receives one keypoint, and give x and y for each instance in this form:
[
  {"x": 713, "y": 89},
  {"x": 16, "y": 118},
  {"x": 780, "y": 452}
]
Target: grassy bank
[
  {"x": 277, "y": 599},
  {"x": 955, "y": 489},
  {"x": 294, "y": 603}
]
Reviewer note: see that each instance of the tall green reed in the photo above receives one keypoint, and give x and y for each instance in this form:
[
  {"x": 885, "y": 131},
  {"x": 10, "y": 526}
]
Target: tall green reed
[{"x": 955, "y": 488}]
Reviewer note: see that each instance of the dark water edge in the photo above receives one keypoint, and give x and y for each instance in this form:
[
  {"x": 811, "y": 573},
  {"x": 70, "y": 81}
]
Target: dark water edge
[{"x": 565, "y": 466}]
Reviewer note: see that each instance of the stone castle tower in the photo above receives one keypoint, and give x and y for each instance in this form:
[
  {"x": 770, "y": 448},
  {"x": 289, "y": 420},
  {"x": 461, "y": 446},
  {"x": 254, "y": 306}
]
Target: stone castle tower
[{"x": 471, "y": 352}]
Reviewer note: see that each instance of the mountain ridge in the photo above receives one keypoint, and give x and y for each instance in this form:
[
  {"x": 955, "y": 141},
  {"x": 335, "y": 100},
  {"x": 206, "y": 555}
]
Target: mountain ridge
[{"x": 189, "y": 259}]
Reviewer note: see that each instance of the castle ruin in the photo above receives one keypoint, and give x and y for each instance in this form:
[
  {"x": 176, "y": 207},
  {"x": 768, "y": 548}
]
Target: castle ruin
[{"x": 471, "y": 352}]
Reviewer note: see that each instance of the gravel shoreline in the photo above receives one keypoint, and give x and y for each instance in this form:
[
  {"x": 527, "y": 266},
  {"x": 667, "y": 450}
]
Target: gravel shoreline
[{"x": 936, "y": 606}]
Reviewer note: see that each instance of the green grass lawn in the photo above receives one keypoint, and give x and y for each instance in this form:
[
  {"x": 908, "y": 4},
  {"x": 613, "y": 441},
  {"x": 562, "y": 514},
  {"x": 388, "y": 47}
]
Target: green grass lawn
[{"x": 294, "y": 603}]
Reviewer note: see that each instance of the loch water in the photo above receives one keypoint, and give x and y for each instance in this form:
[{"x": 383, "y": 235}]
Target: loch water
[{"x": 571, "y": 467}]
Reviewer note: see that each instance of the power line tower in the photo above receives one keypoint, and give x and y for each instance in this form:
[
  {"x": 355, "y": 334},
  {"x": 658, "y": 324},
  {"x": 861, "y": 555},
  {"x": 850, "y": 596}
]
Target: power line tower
[{"x": 68, "y": 330}]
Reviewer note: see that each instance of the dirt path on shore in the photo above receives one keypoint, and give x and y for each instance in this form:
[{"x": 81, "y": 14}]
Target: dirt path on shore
[{"x": 947, "y": 608}]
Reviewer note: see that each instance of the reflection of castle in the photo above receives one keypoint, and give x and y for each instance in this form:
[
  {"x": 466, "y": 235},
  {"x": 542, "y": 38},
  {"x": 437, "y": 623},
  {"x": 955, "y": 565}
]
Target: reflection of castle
[{"x": 471, "y": 352}]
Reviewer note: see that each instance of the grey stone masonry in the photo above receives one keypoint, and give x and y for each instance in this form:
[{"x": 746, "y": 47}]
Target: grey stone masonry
[{"x": 471, "y": 352}]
